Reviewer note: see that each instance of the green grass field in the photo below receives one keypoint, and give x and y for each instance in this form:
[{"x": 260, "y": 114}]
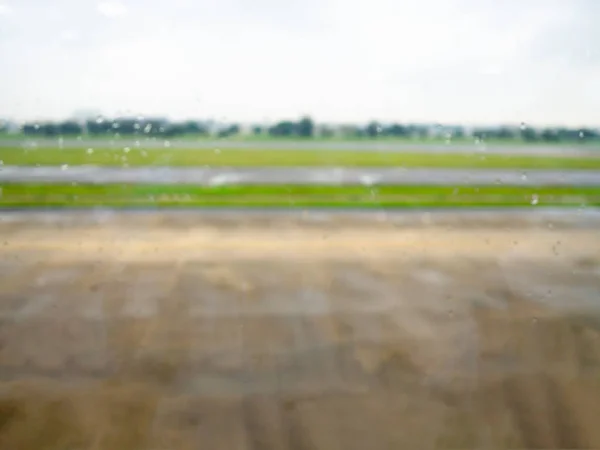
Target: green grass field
[
  {"x": 282, "y": 158},
  {"x": 36, "y": 195}
]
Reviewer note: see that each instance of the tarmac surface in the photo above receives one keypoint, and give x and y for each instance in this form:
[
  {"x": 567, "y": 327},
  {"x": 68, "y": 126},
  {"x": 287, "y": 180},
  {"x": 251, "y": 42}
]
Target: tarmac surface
[
  {"x": 299, "y": 330},
  {"x": 297, "y": 175}
]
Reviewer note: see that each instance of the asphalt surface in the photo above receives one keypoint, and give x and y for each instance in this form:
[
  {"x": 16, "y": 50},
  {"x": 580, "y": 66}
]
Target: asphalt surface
[
  {"x": 297, "y": 175},
  {"x": 510, "y": 149}
]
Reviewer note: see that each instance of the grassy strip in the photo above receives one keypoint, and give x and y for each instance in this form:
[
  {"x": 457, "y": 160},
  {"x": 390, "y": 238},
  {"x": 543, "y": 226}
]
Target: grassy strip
[
  {"x": 18, "y": 195},
  {"x": 283, "y": 158}
]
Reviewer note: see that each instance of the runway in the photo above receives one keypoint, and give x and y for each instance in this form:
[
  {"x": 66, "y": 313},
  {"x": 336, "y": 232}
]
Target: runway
[{"x": 337, "y": 176}]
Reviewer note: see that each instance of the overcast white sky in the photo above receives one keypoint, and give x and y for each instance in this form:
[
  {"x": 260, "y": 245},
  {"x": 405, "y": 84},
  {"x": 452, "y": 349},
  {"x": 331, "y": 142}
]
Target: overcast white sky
[{"x": 453, "y": 61}]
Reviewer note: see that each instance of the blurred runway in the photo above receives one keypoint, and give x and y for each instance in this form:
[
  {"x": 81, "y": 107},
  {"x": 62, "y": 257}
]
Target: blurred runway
[{"x": 299, "y": 176}]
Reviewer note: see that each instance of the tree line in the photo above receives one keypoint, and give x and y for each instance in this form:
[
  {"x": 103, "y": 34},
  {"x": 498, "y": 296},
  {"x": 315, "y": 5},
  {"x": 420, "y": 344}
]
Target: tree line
[{"x": 303, "y": 128}]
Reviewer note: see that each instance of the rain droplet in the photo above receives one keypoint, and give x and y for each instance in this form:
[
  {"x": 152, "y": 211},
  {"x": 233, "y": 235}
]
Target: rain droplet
[
  {"x": 167, "y": 143},
  {"x": 137, "y": 143},
  {"x": 535, "y": 199},
  {"x": 523, "y": 176},
  {"x": 217, "y": 151},
  {"x": 534, "y": 320},
  {"x": 89, "y": 151},
  {"x": 126, "y": 149},
  {"x": 523, "y": 125},
  {"x": 64, "y": 167},
  {"x": 581, "y": 134},
  {"x": 1, "y": 162},
  {"x": 99, "y": 119},
  {"x": 144, "y": 153},
  {"x": 148, "y": 128}
]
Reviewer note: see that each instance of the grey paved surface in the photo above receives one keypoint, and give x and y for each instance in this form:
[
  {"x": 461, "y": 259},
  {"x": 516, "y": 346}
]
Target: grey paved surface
[
  {"x": 297, "y": 175},
  {"x": 549, "y": 150}
]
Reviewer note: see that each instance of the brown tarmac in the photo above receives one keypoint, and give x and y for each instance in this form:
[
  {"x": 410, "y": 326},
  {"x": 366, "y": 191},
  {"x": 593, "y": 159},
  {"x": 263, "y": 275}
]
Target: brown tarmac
[{"x": 276, "y": 334}]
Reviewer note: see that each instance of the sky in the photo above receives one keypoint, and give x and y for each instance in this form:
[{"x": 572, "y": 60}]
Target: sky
[{"x": 447, "y": 61}]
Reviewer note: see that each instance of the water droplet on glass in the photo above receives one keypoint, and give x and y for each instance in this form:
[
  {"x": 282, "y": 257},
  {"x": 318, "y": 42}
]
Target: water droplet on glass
[
  {"x": 535, "y": 199},
  {"x": 534, "y": 320},
  {"x": 144, "y": 154},
  {"x": 581, "y": 134},
  {"x": 1, "y": 162},
  {"x": 523, "y": 125},
  {"x": 167, "y": 143},
  {"x": 450, "y": 313},
  {"x": 126, "y": 149},
  {"x": 64, "y": 167},
  {"x": 99, "y": 119},
  {"x": 217, "y": 151},
  {"x": 137, "y": 143},
  {"x": 523, "y": 176},
  {"x": 148, "y": 128},
  {"x": 89, "y": 151}
]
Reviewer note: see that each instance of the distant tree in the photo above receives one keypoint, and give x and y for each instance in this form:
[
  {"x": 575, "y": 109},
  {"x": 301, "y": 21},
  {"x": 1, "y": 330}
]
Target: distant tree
[
  {"x": 480, "y": 133},
  {"x": 193, "y": 127},
  {"x": 30, "y": 129},
  {"x": 305, "y": 127},
  {"x": 550, "y": 135},
  {"x": 69, "y": 128},
  {"x": 395, "y": 130},
  {"x": 229, "y": 131},
  {"x": 49, "y": 129},
  {"x": 373, "y": 129},
  {"x": 528, "y": 134},
  {"x": 283, "y": 129},
  {"x": 98, "y": 126},
  {"x": 257, "y": 130},
  {"x": 505, "y": 133},
  {"x": 458, "y": 132},
  {"x": 585, "y": 134}
]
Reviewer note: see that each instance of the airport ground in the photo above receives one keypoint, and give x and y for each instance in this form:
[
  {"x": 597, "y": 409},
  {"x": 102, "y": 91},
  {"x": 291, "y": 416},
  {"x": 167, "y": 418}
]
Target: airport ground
[{"x": 239, "y": 330}]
